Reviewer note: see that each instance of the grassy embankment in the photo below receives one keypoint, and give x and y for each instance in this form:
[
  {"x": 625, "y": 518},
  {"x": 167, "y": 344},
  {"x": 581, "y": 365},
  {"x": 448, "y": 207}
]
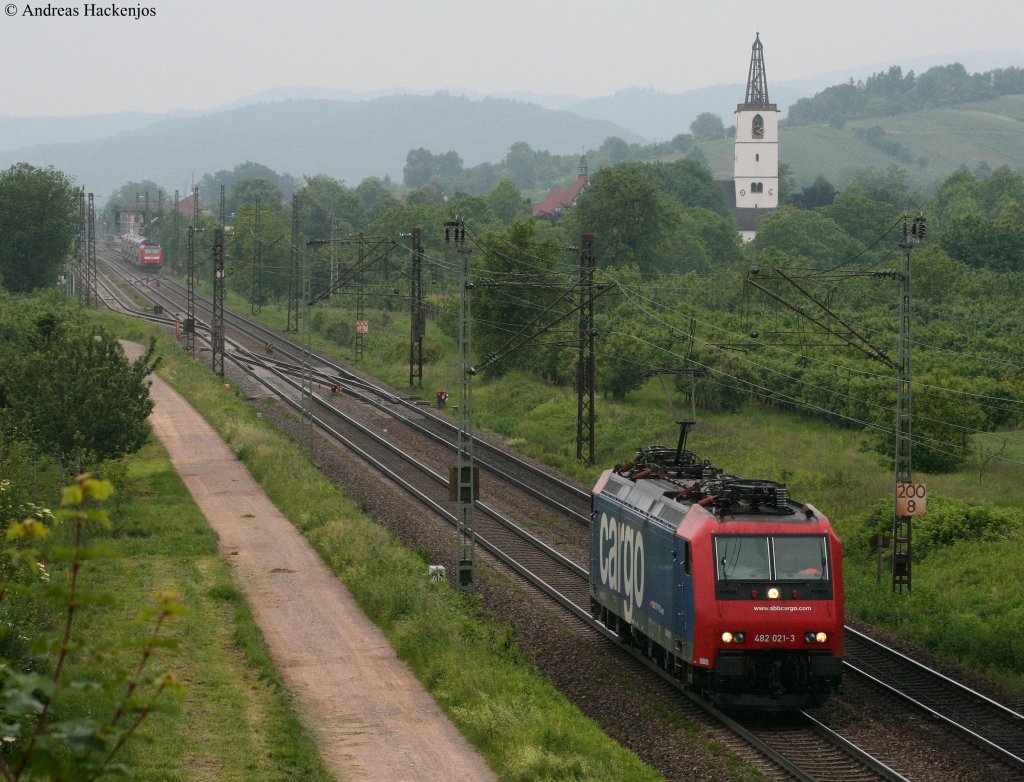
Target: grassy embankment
[
  {"x": 525, "y": 728},
  {"x": 236, "y": 721},
  {"x": 968, "y": 594}
]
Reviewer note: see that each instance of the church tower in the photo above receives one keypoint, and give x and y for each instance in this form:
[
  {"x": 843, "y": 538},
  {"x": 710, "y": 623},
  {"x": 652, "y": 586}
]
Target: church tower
[{"x": 756, "y": 175}]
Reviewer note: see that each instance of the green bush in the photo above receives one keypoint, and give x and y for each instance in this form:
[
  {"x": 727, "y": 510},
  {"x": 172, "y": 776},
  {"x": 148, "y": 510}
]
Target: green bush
[
  {"x": 333, "y": 325},
  {"x": 949, "y": 521}
]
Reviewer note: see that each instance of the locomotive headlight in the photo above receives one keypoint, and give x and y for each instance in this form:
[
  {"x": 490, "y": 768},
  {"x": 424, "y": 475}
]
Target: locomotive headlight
[
  {"x": 816, "y": 638},
  {"x": 727, "y": 637},
  {"x": 732, "y": 638},
  {"x": 773, "y": 593},
  {"x": 821, "y": 637}
]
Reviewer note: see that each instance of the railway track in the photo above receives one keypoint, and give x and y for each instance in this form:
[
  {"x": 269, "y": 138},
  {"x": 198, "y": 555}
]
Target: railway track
[
  {"x": 807, "y": 752},
  {"x": 995, "y": 728}
]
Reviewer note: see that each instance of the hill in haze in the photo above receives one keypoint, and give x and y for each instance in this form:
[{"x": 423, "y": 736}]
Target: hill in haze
[
  {"x": 661, "y": 116},
  {"x": 346, "y": 140}
]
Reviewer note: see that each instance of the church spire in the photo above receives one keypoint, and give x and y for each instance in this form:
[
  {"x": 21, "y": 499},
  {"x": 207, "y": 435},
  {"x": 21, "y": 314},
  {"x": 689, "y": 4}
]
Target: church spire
[{"x": 757, "y": 82}]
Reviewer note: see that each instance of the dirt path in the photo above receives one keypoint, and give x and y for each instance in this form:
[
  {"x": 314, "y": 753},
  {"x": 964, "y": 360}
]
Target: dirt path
[{"x": 373, "y": 720}]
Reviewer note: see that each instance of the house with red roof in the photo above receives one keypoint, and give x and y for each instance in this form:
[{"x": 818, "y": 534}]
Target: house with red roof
[{"x": 558, "y": 200}]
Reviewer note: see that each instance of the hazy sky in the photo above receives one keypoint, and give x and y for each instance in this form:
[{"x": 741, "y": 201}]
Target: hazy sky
[{"x": 200, "y": 54}]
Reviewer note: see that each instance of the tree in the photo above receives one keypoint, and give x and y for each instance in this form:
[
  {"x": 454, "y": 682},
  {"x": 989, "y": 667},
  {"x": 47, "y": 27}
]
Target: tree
[
  {"x": 957, "y": 197},
  {"x": 324, "y": 202},
  {"x": 689, "y": 182},
  {"x": 209, "y": 185},
  {"x": 517, "y": 259},
  {"x": 376, "y": 197},
  {"x": 890, "y": 185},
  {"x": 811, "y": 235},
  {"x": 818, "y": 193},
  {"x": 946, "y": 413},
  {"x": 865, "y": 219},
  {"x": 59, "y": 367},
  {"x": 630, "y": 217},
  {"x": 247, "y": 191},
  {"x": 613, "y": 151},
  {"x": 507, "y": 202},
  {"x": 717, "y": 234},
  {"x": 39, "y": 213},
  {"x": 1001, "y": 187},
  {"x": 983, "y": 243},
  {"x": 707, "y": 127},
  {"x": 627, "y": 346},
  {"x": 422, "y": 167},
  {"x": 274, "y": 252},
  {"x": 419, "y": 167},
  {"x": 521, "y": 165}
]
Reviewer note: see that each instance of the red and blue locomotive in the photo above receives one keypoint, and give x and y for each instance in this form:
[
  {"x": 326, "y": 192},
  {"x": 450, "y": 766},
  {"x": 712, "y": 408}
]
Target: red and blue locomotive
[
  {"x": 725, "y": 581},
  {"x": 140, "y": 251}
]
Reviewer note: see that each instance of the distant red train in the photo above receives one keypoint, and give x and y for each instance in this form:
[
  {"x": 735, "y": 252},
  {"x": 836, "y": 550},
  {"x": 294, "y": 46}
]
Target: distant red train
[{"x": 143, "y": 252}]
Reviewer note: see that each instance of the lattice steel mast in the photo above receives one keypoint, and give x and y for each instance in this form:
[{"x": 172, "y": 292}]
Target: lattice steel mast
[
  {"x": 417, "y": 321},
  {"x": 90, "y": 254},
  {"x": 292, "y": 323},
  {"x": 586, "y": 363},
  {"x": 464, "y": 480},
  {"x": 217, "y": 326},
  {"x": 902, "y": 525}
]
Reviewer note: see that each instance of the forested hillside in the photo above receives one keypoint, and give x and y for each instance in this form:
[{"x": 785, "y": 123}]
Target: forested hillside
[{"x": 892, "y": 92}]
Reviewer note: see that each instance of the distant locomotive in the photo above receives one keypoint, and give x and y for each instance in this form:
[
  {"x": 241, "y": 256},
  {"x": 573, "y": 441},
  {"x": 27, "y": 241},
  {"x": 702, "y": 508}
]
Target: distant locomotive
[
  {"x": 143, "y": 252},
  {"x": 724, "y": 581}
]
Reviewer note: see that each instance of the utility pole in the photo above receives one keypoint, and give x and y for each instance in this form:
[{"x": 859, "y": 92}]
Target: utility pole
[
  {"x": 257, "y": 259},
  {"x": 417, "y": 321},
  {"x": 292, "y": 323},
  {"x": 190, "y": 288},
  {"x": 76, "y": 286},
  {"x": 586, "y": 364},
  {"x": 362, "y": 325},
  {"x": 307, "y": 351},
  {"x": 334, "y": 255},
  {"x": 217, "y": 326},
  {"x": 176, "y": 255},
  {"x": 463, "y": 481},
  {"x": 902, "y": 527},
  {"x": 90, "y": 254}
]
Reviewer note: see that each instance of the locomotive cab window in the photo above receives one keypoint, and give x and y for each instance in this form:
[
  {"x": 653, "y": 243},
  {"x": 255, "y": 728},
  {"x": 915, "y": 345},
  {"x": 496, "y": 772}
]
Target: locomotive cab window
[
  {"x": 799, "y": 558},
  {"x": 771, "y": 557},
  {"x": 742, "y": 557}
]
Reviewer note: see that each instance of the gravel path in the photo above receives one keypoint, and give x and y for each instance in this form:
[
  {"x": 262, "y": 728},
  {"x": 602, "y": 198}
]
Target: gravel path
[{"x": 372, "y": 718}]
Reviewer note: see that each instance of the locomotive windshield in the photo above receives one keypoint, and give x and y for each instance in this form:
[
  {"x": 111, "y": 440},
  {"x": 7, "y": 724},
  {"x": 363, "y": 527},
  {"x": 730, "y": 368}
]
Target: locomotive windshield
[
  {"x": 743, "y": 557},
  {"x": 771, "y": 557},
  {"x": 799, "y": 558}
]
